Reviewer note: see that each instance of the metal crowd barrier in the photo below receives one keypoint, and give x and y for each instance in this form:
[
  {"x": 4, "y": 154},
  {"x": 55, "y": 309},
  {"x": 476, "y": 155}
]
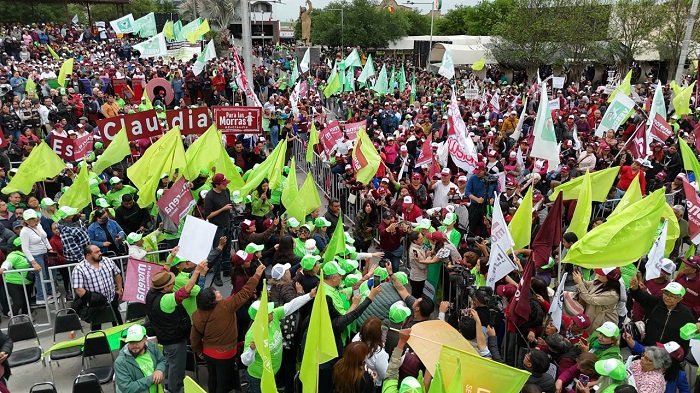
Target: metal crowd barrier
[{"x": 59, "y": 302}]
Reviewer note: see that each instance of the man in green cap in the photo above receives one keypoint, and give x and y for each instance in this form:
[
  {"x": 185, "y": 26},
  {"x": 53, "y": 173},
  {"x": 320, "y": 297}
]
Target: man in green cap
[
  {"x": 140, "y": 365},
  {"x": 114, "y": 196}
]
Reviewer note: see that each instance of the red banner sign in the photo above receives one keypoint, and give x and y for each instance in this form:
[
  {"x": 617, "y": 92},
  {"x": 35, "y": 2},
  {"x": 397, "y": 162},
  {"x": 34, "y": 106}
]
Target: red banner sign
[
  {"x": 138, "y": 280},
  {"x": 72, "y": 149},
  {"x": 177, "y": 200},
  {"x": 660, "y": 129},
  {"x": 329, "y": 135},
  {"x": 238, "y": 119},
  {"x": 191, "y": 121},
  {"x": 351, "y": 129},
  {"x": 138, "y": 126}
]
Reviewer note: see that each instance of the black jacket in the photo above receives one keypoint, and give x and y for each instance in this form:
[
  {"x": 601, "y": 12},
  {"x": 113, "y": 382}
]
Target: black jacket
[
  {"x": 662, "y": 325},
  {"x": 6, "y": 345},
  {"x": 544, "y": 381},
  {"x": 169, "y": 328}
]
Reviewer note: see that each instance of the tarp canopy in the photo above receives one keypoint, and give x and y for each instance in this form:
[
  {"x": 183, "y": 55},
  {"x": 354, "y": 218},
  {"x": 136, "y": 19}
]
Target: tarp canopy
[{"x": 463, "y": 54}]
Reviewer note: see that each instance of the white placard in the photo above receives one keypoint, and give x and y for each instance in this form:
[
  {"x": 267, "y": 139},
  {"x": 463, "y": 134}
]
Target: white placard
[
  {"x": 554, "y": 104},
  {"x": 558, "y": 82},
  {"x": 196, "y": 240}
]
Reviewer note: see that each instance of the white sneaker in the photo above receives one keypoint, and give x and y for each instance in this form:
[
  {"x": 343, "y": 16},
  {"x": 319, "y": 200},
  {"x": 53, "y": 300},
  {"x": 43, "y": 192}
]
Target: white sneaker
[{"x": 40, "y": 302}]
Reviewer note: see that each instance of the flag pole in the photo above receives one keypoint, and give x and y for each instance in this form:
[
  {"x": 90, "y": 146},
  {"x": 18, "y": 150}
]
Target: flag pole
[{"x": 627, "y": 141}]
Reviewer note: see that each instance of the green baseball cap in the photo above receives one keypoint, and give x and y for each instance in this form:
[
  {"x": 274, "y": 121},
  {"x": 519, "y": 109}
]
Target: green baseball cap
[
  {"x": 382, "y": 273},
  {"x": 349, "y": 239},
  {"x": 347, "y": 264},
  {"x": 613, "y": 368},
  {"x": 65, "y": 211},
  {"x": 204, "y": 172},
  {"x": 351, "y": 279},
  {"x": 309, "y": 261},
  {"x": 410, "y": 385},
  {"x": 135, "y": 333},
  {"x": 133, "y": 237},
  {"x": 424, "y": 223},
  {"x": 450, "y": 218},
  {"x": 322, "y": 222},
  {"x": 308, "y": 226},
  {"x": 236, "y": 197},
  {"x": 177, "y": 260},
  {"x": 252, "y": 247},
  {"x": 675, "y": 288},
  {"x": 17, "y": 242},
  {"x": 609, "y": 329},
  {"x": 99, "y": 145},
  {"x": 253, "y": 309},
  {"x": 402, "y": 277},
  {"x": 101, "y": 202},
  {"x": 398, "y": 312},
  {"x": 331, "y": 268},
  {"x": 293, "y": 222},
  {"x": 46, "y": 202}
]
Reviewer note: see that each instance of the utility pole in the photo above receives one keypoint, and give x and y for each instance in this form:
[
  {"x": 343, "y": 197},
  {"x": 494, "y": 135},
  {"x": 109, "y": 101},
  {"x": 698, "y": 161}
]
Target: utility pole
[
  {"x": 686, "y": 41},
  {"x": 247, "y": 42}
]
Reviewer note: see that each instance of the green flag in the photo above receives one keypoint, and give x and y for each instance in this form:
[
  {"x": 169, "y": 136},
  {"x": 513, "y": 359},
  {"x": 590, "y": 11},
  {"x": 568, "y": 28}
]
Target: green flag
[
  {"x": 623, "y": 88},
  {"x": 78, "y": 195},
  {"x": 295, "y": 72},
  {"x": 622, "y": 239},
  {"x": 367, "y": 70},
  {"x": 30, "y": 86},
  {"x": 264, "y": 170},
  {"x": 402, "y": 79},
  {"x": 632, "y": 195},
  {"x": 690, "y": 162},
  {"x": 334, "y": 84},
  {"x": 603, "y": 180},
  {"x": 168, "y": 31},
  {"x": 114, "y": 153},
  {"x": 456, "y": 385},
  {"x": 320, "y": 343},
  {"x": 164, "y": 156},
  {"x": 413, "y": 88},
  {"x": 307, "y": 200},
  {"x": 313, "y": 141},
  {"x": 65, "y": 71},
  {"x": 381, "y": 87},
  {"x": 275, "y": 175},
  {"x": 584, "y": 208},
  {"x": 145, "y": 26},
  {"x": 452, "y": 361},
  {"x": 228, "y": 168},
  {"x": 52, "y": 52},
  {"x": 336, "y": 244},
  {"x": 261, "y": 335},
  {"x": 41, "y": 164},
  {"x": 520, "y": 225},
  {"x": 365, "y": 158},
  {"x": 202, "y": 153},
  {"x": 392, "y": 80},
  {"x": 291, "y": 189},
  {"x": 349, "y": 80},
  {"x": 177, "y": 30},
  {"x": 437, "y": 385}
]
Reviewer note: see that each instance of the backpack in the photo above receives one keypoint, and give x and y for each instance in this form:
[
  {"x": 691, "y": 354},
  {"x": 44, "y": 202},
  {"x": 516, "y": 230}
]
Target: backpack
[{"x": 289, "y": 326}]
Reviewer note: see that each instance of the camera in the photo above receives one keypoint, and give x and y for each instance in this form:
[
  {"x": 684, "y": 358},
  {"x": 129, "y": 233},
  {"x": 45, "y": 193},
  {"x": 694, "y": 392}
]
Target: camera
[
  {"x": 490, "y": 179},
  {"x": 473, "y": 241}
]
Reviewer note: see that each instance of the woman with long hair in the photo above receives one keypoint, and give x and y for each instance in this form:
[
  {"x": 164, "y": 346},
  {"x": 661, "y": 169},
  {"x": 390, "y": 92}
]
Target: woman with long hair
[
  {"x": 262, "y": 204},
  {"x": 600, "y": 296},
  {"x": 372, "y": 334},
  {"x": 350, "y": 374},
  {"x": 285, "y": 252},
  {"x": 18, "y": 283},
  {"x": 365, "y": 223},
  {"x": 35, "y": 246},
  {"x": 48, "y": 211}
]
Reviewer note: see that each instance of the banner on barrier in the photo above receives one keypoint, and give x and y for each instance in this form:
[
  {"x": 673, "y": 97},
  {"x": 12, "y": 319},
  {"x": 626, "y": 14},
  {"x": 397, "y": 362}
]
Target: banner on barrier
[{"x": 138, "y": 280}]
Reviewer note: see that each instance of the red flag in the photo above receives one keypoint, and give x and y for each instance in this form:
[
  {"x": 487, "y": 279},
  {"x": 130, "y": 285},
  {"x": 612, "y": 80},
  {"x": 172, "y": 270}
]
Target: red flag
[
  {"x": 549, "y": 233},
  {"x": 520, "y": 303},
  {"x": 660, "y": 129},
  {"x": 693, "y": 207},
  {"x": 638, "y": 144},
  {"x": 426, "y": 152},
  {"x": 434, "y": 170},
  {"x": 696, "y": 133}
]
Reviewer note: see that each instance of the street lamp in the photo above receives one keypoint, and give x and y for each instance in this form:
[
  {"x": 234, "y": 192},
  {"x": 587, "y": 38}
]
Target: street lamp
[
  {"x": 432, "y": 20},
  {"x": 342, "y": 25}
]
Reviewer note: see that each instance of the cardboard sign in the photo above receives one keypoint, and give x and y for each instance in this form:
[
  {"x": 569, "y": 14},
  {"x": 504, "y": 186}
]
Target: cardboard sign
[
  {"x": 238, "y": 119},
  {"x": 558, "y": 82},
  {"x": 329, "y": 135},
  {"x": 191, "y": 121},
  {"x": 660, "y": 129},
  {"x": 72, "y": 149},
  {"x": 196, "y": 239},
  {"x": 138, "y": 280},
  {"x": 471, "y": 94},
  {"x": 352, "y": 129},
  {"x": 177, "y": 201}
]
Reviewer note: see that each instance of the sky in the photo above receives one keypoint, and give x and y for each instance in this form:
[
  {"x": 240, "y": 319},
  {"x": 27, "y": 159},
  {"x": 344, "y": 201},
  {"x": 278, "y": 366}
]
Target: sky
[{"x": 289, "y": 10}]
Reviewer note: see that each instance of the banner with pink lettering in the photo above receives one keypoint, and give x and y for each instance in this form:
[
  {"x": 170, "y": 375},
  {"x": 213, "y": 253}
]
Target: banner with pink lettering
[
  {"x": 242, "y": 79},
  {"x": 138, "y": 280},
  {"x": 351, "y": 129},
  {"x": 329, "y": 135},
  {"x": 177, "y": 200},
  {"x": 459, "y": 143}
]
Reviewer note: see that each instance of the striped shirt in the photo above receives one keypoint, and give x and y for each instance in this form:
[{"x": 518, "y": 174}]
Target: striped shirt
[{"x": 100, "y": 279}]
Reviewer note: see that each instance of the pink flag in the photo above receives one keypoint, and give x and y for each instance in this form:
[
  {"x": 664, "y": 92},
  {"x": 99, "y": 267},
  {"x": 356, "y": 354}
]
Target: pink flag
[
  {"x": 138, "y": 280},
  {"x": 242, "y": 79},
  {"x": 426, "y": 152},
  {"x": 693, "y": 206},
  {"x": 177, "y": 201}
]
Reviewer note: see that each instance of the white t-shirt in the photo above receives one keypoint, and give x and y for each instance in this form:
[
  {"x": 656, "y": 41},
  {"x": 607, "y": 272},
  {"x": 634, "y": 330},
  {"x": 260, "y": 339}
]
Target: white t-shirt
[{"x": 440, "y": 194}]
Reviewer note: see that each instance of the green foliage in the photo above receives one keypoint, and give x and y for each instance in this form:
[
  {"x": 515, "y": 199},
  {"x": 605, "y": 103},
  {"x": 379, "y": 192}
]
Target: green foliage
[
  {"x": 14, "y": 11},
  {"x": 418, "y": 24},
  {"x": 479, "y": 19},
  {"x": 364, "y": 25}
]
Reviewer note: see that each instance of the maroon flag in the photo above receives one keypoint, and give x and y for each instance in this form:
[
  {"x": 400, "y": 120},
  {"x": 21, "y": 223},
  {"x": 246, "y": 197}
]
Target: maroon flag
[
  {"x": 693, "y": 206},
  {"x": 696, "y": 134},
  {"x": 638, "y": 145},
  {"x": 426, "y": 152},
  {"x": 549, "y": 233},
  {"x": 520, "y": 303},
  {"x": 660, "y": 129},
  {"x": 177, "y": 201}
]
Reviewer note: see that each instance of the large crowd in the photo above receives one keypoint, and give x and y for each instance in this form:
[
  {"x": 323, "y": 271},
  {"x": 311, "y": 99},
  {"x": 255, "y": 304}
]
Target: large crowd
[{"x": 416, "y": 250}]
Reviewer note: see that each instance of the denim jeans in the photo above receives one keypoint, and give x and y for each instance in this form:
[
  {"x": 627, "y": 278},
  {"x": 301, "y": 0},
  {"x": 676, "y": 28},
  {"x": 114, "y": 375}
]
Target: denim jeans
[
  {"x": 274, "y": 135},
  {"x": 44, "y": 274},
  {"x": 223, "y": 262},
  {"x": 253, "y": 385},
  {"x": 394, "y": 257}
]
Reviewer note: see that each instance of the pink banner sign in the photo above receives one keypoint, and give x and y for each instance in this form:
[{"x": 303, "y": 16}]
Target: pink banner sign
[
  {"x": 72, "y": 149},
  {"x": 138, "y": 280},
  {"x": 329, "y": 135},
  {"x": 351, "y": 129},
  {"x": 177, "y": 200}
]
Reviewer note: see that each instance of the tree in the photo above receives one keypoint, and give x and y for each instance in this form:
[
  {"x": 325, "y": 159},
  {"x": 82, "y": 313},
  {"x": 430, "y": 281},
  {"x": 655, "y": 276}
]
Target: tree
[
  {"x": 479, "y": 19},
  {"x": 630, "y": 33},
  {"x": 418, "y": 24},
  {"x": 668, "y": 39},
  {"x": 364, "y": 24},
  {"x": 219, "y": 12}
]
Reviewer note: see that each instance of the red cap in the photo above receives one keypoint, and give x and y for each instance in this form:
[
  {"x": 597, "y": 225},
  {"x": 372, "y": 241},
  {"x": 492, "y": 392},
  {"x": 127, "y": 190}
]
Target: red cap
[
  {"x": 581, "y": 321},
  {"x": 416, "y": 175},
  {"x": 241, "y": 257},
  {"x": 219, "y": 178},
  {"x": 480, "y": 166},
  {"x": 693, "y": 262},
  {"x": 436, "y": 236}
]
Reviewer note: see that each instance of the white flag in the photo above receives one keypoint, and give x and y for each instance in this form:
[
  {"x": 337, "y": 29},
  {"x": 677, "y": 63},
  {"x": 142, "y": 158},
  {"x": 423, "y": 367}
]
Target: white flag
[
  {"x": 460, "y": 145},
  {"x": 545, "y": 145},
  {"x": 153, "y": 47},
  {"x": 656, "y": 253},
  {"x": 207, "y": 54},
  {"x": 557, "y": 307},
  {"x": 75, "y": 19},
  {"x": 499, "y": 228},
  {"x": 657, "y": 106},
  {"x": 519, "y": 128},
  {"x": 618, "y": 111},
  {"x": 305, "y": 61},
  {"x": 496, "y": 101},
  {"x": 367, "y": 71},
  {"x": 447, "y": 67},
  {"x": 500, "y": 265},
  {"x": 123, "y": 25}
]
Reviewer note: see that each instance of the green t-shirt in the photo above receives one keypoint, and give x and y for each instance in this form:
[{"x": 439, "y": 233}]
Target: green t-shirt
[
  {"x": 17, "y": 260},
  {"x": 336, "y": 296},
  {"x": 114, "y": 198},
  {"x": 190, "y": 303},
  {"x": 145, "y": 362},
  {"x": 276, "y": 347},
  {"x": 299, "y": 247}
]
